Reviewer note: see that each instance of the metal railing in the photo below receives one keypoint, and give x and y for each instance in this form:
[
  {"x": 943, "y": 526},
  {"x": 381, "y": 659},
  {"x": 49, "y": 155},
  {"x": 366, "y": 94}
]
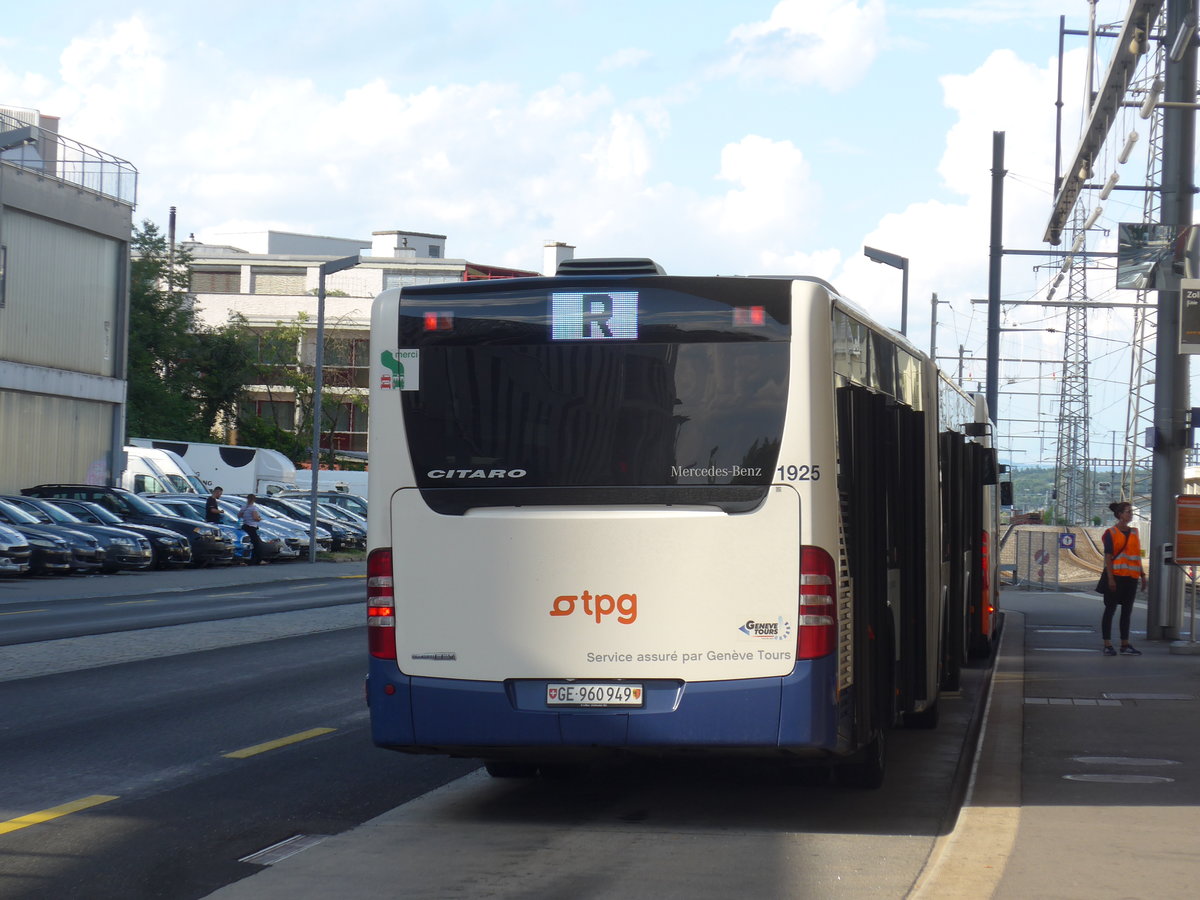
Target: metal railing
[{"x": 54, "y": 156}]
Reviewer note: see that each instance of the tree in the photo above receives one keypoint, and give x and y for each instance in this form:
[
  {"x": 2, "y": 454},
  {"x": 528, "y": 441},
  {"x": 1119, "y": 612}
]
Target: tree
[
  {"x": 286, "y": 379},
  {"x": 182, "y": 377}
]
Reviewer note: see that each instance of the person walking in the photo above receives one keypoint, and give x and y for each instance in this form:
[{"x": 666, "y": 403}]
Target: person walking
[
  {"x": 251, "y": 518},
  {"x": 212, "y": 509},
  {"x": 1122, "y": 573}
]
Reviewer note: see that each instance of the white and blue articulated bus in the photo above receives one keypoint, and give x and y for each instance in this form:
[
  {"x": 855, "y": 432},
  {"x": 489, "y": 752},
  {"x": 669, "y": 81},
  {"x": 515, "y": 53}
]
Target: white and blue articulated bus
[{"x": 620, "y": 512}]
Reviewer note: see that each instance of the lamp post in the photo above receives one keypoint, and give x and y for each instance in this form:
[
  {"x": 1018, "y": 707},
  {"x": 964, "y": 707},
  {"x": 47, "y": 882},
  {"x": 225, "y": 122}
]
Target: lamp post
[
  {"x": 326, "y": 268},
  {"x": 896, "y": 262}
]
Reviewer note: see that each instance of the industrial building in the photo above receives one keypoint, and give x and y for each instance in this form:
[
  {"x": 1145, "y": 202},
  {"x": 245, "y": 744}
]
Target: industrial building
[{"x": 66, "y": 213}]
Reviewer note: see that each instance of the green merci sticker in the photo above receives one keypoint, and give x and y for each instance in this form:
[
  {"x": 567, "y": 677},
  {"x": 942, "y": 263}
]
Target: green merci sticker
[{"x": 401, "y": 370}]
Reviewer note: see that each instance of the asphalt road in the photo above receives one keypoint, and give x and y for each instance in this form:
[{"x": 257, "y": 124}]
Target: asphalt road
[{"x": 149, "y": 762}]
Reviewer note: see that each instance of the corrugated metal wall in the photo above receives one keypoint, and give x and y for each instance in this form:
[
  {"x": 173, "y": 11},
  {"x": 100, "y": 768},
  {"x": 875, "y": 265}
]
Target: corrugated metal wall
[
  {"x": 71, "y": 438},
  {"x": 62, "y": 304}
]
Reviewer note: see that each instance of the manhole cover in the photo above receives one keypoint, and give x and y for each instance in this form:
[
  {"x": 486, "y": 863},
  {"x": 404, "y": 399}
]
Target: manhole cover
[
  {"x": 1123, "y": 761},
  {"x": 1120, "y": 779}
]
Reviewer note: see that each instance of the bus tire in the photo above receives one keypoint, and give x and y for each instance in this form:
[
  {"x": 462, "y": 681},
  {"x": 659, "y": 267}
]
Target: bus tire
[
  {"x": 867, "y": 767},
  {"x": 510, "y": 768}
]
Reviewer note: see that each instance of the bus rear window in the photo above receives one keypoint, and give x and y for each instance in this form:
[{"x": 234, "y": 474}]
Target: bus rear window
[{"x": 597, "y": 387}]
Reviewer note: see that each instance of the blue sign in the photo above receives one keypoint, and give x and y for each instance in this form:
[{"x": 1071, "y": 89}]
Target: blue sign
[{"x": 1066, "y": 541}]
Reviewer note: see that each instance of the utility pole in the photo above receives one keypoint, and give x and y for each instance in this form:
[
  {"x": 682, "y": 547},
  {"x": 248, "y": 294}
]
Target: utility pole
[
  {"x": 992, "y": 392},
  {"x": 1165, "y": 616}
]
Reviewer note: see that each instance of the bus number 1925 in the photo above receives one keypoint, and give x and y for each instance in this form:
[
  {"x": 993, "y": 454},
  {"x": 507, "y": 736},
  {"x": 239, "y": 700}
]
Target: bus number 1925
[{"x": 799, "y": 473}]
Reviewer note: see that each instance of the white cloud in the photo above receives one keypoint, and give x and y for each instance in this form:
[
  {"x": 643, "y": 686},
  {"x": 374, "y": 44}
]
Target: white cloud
[
  {"x": 947, "y": 242},
  {"x": 827, "y": 42},
  {"x": 774, "y": 189},
  {"x": 628, "y": 58},
  {"x": 985, "y": 12}
]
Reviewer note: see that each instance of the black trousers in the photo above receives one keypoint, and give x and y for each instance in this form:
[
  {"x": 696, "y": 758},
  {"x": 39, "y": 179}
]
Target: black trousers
[
  {"x": 255, "y": 544},
  {"x": 1122, "y": 597}
]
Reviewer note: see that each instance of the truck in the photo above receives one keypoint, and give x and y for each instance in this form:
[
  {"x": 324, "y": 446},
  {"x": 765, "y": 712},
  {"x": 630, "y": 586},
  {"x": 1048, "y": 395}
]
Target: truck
[
  {"x": 236, "y": 469},
  {"x": 343, "y": 480},
  {"x": 150, "y": 470}
]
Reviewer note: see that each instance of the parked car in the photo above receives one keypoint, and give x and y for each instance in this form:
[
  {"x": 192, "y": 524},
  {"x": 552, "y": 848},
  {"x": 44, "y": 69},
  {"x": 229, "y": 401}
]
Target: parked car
[
  {"x": 123, "y": 549},
  {"x": 51, "y": 553},
  {"x": 268, "y": 532},
  {"x": 179, "y": 507},
  {"x": 344, "y": 535},
  {"x": 341, "y": 499},
  {"x": 14, "y": 552},
  {"x": 208, "y": 544},
  {"x": 86, "y": 553},
  {"x": 295, "y": 533},
  {"x": 170, "y": 548}
]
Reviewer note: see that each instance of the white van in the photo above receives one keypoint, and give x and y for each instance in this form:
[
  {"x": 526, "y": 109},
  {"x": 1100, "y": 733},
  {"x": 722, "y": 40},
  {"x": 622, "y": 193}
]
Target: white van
[
  {"x": 152, "y": 471},
  {"x": 237, "y": 469}
]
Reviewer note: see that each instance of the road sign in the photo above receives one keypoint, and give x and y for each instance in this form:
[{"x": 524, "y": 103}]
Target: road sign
[
  {"x": 1187, "y": 529},
  {"x": 1066, "y": 541}
]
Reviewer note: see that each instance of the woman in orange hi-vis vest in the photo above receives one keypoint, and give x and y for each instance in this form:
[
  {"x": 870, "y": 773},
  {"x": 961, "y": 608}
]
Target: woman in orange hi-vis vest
[{"x": 1122, "y": 571}]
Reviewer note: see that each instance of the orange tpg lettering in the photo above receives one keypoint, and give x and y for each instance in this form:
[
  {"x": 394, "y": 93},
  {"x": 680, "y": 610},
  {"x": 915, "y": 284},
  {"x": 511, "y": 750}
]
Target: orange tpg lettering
[{"x": 597, "y": 606}]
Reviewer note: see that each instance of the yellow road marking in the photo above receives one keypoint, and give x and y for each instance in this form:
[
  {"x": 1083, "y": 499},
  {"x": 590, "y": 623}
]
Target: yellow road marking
[
  {"x": 36, "y": 818},
  {"x": 282, "y": 742},
  {"x": 21, "y": 612}
]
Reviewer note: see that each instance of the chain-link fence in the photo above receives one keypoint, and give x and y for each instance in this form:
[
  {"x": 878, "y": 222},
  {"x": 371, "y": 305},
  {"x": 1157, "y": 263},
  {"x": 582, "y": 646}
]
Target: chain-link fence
[{"x": 1037, "y": 560}]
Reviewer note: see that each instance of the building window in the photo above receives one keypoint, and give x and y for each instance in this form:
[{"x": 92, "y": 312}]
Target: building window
[
  {"x": 350, "y": 418},
  {"x": 277, "y": 280},
  {"x": 216, "y": 281},
  {"x": 434, "y": 251},
  {"x": 345, "y": 351},
  {"x": 280, "y": 413}
]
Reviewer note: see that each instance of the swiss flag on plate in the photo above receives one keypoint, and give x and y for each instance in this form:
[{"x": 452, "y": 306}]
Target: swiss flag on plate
[{"x": 553, "y": 693}]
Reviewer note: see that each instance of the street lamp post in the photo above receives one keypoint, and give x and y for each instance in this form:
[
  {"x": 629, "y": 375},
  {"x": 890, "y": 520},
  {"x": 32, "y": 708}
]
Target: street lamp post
[
  {"x": 896, "y": 262},
  {"x": 326, "y": 268}
]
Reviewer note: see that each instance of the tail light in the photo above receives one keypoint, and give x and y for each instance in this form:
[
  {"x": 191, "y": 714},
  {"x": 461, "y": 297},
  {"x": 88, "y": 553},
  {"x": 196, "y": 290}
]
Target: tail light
[
  {"x": 381, "y": 605},
  {"x": 817, "y": 632}
]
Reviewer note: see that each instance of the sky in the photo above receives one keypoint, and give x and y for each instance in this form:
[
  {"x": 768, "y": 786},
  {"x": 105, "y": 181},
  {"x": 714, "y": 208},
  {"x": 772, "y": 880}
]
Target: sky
[{"x": 756, "y": 137}]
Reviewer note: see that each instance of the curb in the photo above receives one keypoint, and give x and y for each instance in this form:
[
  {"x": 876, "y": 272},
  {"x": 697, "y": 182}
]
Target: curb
[{"x": 969, "y": 861}]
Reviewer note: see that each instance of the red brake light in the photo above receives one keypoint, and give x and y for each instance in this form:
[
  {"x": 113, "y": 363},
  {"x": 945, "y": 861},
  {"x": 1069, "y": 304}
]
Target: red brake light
[
  {"x": 816, "y": 634},
  {"x": 439, "y": 321},
  {"x": 381, "y": 604},
  {"x": 749, "y": 315}
]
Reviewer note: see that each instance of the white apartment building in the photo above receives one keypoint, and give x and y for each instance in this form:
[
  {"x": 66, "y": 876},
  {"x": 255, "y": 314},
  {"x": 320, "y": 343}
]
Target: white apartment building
[{"x": 271, "y": 278}]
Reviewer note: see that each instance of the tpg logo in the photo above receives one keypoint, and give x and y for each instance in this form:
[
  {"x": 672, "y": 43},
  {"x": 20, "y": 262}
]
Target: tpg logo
[{"x": 598, "y": 605}]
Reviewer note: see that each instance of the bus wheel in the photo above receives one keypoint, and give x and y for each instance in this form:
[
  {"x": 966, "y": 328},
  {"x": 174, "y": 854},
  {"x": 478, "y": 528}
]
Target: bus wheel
[
  {"x": 926, "y": 718},
  {"x": 510, "y": 768},
  {"x": 866, "y": 771}
]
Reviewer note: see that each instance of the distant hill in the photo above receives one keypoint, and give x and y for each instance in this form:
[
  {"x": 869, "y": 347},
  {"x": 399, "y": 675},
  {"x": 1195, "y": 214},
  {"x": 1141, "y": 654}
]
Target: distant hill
[{"x": 1031, "y": 487}]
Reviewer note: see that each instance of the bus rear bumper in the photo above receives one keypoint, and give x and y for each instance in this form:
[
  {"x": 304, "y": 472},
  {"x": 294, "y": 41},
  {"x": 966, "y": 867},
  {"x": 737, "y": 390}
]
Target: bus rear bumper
[{"x": 795, "y": 714}]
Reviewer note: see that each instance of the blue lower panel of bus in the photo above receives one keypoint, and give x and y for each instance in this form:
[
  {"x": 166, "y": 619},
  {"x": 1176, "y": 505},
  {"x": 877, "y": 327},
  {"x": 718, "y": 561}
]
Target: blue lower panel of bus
[{"x": 446, "y": 715}]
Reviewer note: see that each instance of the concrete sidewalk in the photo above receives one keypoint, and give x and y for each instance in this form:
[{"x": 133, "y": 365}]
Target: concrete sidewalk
[{"x": 1087, "y": 783}]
